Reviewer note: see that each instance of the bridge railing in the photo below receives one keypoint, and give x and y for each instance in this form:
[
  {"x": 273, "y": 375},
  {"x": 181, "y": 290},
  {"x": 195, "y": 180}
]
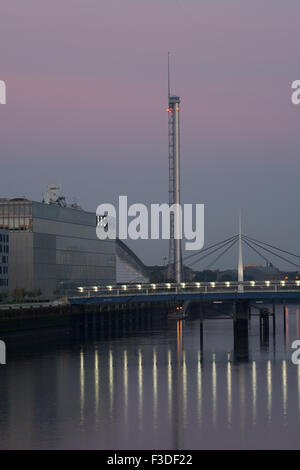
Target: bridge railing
[{"x": 189, "y": 287}]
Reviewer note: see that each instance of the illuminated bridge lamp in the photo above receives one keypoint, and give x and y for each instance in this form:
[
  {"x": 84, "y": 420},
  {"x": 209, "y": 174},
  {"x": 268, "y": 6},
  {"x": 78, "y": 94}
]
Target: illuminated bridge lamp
[
  {"x": 213, "y": 284},
  {"x": 268, "y": 283},
  {"x": 81, "y": 289},
  {"x": 282, "y": 283},
  {"x": 109, "y": 287},
  {"x": 124, "y": 287},
  {"x": 139, "y": 286},
  {"x": 198, "y": 284},
  {"x": 297, "y": 283},
  {"x": 183, "y": 285},
  {"x": 252, "y": 283},
  {"x": 168, "y": 285},
  {"x": 153, "y": 286},
  {"x": 227, "y": 284}
]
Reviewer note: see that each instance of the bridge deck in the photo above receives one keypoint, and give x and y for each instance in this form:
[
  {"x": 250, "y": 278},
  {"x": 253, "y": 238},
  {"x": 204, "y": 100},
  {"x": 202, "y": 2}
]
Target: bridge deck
[{"x": 272, "y": 292}]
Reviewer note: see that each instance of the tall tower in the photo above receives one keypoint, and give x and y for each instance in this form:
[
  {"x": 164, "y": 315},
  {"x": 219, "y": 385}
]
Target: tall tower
[{"x": 175, "y": 254}]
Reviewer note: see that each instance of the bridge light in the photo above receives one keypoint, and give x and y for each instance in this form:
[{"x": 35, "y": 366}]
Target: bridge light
[
  {"x": 109, "y": 287},
  {"x": 168, "y": 285},
  {"x": 213, "y": 284},
  {"x": 124, "y": 287},
  {"x": 153, "y": 286},
  {"x": 282, "y": 283},
  {"x": 198, "y": 284},
  {"x": 268, "y": 283},
  {"x": 252, "y": 283},
  {"x": 81, "y": 289},
  {"x": 139, "y": 286},
  {"x": 183, "y": 285},
  {"x": 227, "y": 284},
  {"x": 95, "y": 288},
  {"x": 297, "y": 283}
]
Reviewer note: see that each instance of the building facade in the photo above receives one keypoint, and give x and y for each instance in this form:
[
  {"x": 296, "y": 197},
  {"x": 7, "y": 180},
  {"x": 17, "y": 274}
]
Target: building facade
[
  {"x": 4, "y": 256},
  {"x": 54, "y": 249},
  {"x": 129, "y": 268}
]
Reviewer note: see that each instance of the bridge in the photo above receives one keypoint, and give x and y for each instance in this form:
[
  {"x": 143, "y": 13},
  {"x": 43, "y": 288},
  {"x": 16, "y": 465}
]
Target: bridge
[
  {"x": 255, "y": 291},
  {"x": 186, "y": 293},
  {"x": 241, "y": 299}
]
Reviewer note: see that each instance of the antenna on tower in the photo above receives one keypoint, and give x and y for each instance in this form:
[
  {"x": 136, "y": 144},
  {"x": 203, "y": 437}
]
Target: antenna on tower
[{"x": 169, "y": 75}]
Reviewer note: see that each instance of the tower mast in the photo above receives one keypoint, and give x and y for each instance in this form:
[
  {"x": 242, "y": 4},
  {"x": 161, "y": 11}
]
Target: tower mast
[
  {"x": 175, "y": 254},
  {"x": 240, "y": 257}
]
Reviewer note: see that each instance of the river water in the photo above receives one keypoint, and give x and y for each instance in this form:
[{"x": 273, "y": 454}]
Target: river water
[{"x": 153, "y": 388}]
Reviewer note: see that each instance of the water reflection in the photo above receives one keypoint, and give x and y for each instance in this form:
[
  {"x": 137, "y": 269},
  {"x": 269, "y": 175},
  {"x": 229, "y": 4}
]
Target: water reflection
[
  {"x": 254, "y": 392},
  {"x": 284, "y": 387},
  {"x": 199, "y": 388},
  {"x": 96, "y": 384},
  {"x": 214, "y": 389},
  {"x": 81, "y": 384},
  {"x": 140, "y": 386},
  {"x": 154, "y": 388},
  {"x": 170, "y": 386},
  {"x": 125, "y": 384},
  {"x": 298, "y": 368},
  {"x": 159, "y": 385},
  {"x": 229, "y": 393},
  {"x": 242, "y": 387},
  {"x": 184, "y": 387},
  {"x": 269, "y": 389},
  {"x": 111, "y": 381}
]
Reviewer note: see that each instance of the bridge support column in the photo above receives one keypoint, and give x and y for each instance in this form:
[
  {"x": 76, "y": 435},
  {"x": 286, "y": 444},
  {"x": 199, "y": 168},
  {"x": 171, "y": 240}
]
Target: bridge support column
[
  {"x": 284, "y": 323},
  {"x": 274, "y": 326},
  {"x": 201, "y": 331},
  {"x": 264, "y": 328},
  {"x": 240, "y": 331}
]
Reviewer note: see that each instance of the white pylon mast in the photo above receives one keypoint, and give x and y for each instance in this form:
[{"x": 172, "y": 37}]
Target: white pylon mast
[
  {"x": 175, "y": 255},
  {"x": 240, "y": 257}
]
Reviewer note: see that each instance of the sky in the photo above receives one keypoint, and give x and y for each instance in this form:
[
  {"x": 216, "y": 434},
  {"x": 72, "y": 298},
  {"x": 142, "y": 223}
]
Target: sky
[{"x": 87, "y": 97}]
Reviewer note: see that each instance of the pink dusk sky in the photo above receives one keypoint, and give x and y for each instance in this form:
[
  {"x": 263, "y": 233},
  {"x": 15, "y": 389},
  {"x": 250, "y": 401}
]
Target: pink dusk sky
[{"x": 87, "y": 96}]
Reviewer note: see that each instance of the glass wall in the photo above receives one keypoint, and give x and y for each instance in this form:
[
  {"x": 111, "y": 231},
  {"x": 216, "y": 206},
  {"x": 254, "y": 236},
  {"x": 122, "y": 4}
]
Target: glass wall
[{"x": 16, "y": 215}]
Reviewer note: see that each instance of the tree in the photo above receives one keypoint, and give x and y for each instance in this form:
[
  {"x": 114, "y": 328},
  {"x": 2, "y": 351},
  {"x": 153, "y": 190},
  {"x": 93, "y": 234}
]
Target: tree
[{"x": 206, "y": 276}]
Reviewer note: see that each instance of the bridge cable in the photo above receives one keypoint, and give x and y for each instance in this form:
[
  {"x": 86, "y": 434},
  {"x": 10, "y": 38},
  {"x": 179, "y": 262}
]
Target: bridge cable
[
  {"x": 256, "y": 251},
  {"x": 220, "y": 255},
  {"x": 200, "y": 252},
  {"x": 278, "y": 256},
  {"x": 211, "y": 253},
  {"x": 271, "y": 246}
]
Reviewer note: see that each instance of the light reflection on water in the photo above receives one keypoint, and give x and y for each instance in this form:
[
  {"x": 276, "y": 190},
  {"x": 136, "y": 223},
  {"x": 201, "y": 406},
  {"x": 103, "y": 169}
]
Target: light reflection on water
[{"x": 154, "y": 389}]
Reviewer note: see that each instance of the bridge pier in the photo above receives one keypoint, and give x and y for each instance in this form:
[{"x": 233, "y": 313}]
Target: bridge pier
[
  {"x": 264, "y": 328},
  {"x": 202, "y": 314},
  {"x": 284, "y": 323},
  {"x": 274, "y": 327},
  {"x": 240, "y": 330}
]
